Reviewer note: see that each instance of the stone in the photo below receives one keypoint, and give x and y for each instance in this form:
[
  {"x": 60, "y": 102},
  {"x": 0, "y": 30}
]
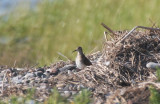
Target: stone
[
  {"x": 29, "y": 75},
  {"x": 67, "y": 67},
  {"x": 41, "y": 69},
  {"x": 39, "y": 74},
  {"x": 67, "y": 94},
  {"x": 153, "y": 65},
  {"x": 53, "y": 71}
]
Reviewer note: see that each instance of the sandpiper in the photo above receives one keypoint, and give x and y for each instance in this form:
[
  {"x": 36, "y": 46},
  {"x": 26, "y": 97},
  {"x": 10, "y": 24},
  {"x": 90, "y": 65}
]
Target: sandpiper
[{"x": 81, "y": 60}]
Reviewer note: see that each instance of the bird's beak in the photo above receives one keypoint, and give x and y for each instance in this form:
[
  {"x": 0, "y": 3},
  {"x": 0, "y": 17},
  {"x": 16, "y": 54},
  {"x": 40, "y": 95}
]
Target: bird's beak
[{"x": 74, "y": 51}]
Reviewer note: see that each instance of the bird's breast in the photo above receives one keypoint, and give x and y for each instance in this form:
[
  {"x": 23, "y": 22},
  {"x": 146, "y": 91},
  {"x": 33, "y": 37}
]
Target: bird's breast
[{"x": 79, "y": 62}]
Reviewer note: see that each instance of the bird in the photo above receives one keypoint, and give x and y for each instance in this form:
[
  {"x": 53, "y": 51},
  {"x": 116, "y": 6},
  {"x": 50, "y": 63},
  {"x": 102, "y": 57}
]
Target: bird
[{"x": 81, "y": 60}]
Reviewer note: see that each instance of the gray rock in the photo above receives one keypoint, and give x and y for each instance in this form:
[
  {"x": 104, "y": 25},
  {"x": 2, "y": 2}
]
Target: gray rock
[
  {"x": 74, "y": 88},
  {"x": 70, "y": 87},
  {"x": 39, "y": 74},
  {"x": 107, "y": 63},
  {"x": 74, "y": 92},
  {"x": 28, "y": 75},
  {"x": 67, "y": 94},
  {"x": 53, "y": 71},
  {"x": 43, "y": 86},
  {"x": 20, "y": 69},
  {"x": 17, "y": 79},
  {"x": 153, "y": 65},
  {"x": 66, "y": 87},
  {"x": 44, "y": 80},
  {"x": 68, "y": 67},
  {"x": 47, "y": 74},
  {"x": 41, "y": 69},
  {"x": 79, "y": 87}
]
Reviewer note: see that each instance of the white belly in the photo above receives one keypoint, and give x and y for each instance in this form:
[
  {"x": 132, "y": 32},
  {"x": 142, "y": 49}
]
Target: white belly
[{"x": 79, "y": 64}]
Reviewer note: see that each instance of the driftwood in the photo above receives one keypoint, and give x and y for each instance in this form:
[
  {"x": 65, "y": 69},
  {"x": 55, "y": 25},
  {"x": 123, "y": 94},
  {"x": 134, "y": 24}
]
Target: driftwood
[{"x": 129, "y": 33}]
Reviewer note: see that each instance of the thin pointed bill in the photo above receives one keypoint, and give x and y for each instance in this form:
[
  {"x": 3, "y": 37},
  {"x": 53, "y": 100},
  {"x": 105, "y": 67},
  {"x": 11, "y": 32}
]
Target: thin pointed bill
[{"x": 74, "y": 51}]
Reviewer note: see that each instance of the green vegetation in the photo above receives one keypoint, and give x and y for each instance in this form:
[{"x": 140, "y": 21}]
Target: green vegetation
[
  {"x": 29, "y": 98},
  {"x": 155, "y": 94},
  {"x": 83, "y": 97},
  {"x": 54, "y": 98},
  {"x": 158, "y": 74},
  {"x": 27, "y": 37}
]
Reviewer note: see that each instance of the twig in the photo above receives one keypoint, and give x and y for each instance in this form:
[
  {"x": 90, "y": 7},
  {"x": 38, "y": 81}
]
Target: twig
[
  {"x": 148, "y": 28},
  {"x": 109, "y": 29},
  {"x": 15, "y": 63},
  {"x": 63, "y": 55},
  {"x": 105, "y": 36},
  {"x": 153, "y": 23},
  {"x": 34, "y": 65},
  {"x": 157, "y": 85}
]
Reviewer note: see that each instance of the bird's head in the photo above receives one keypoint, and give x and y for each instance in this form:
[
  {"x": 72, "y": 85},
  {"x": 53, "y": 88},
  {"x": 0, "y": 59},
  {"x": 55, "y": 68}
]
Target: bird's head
[{"x": 79, "y": 49}]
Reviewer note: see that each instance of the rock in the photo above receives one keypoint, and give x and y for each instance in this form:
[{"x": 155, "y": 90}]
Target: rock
[
  {"x": 74, "y": 88},
  {"x": 17, "y": 79},
  {"x": 91, "y": 89},
  {"x": 13, "y": 70},
  {"x": 70, "y": 72},
  {"x": 70, "y": 87},
  {"x": 60, "y": 85},
  {"x": 28, "y": 75},
  {"x": 39, "y": 74},
  {"x": 66, "y": 87},
  {"x": 107, "y": 63},
  {"x": 79, "y": 87},
  {"x": 45, "y": 81},
  {"x": 20, "y": 69},
  {"x": 27, "y": 81},
  {"x": 43, "y": 86},
  {"x": 74, "y": 92},
  {"x": 68, "y": 67},
  {"x": 52, "y": 71},
  {"x": 40, "y": 69},
  {"x": 67, "y": 94},
  {"x": 47, "y": 74},
  {"x": 153, "y": 65}
]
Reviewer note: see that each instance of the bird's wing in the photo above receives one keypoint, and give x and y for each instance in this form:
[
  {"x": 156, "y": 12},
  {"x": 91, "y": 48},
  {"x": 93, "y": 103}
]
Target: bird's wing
[{"x": 87, "y": 61}]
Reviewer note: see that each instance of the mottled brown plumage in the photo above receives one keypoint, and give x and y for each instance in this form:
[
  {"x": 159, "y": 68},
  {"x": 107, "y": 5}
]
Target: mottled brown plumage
[{"x": 81, "y": 60}]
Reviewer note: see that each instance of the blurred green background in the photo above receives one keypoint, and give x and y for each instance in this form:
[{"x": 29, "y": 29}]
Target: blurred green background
[{"x": 35, "y": 36}]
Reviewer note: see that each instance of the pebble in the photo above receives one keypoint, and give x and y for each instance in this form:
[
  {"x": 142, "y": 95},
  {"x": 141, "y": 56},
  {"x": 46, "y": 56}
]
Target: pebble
[
  {"x": 153, "y": 65},
  {"x": 68, "y": 67},
  {"x": 67, "y": 94},
  {"x": 27, "y": 81},
  {"x": 39, "y": 74},
  {"x": 20, "y": 69},
  {"x": 47, "y": 74},
  {"x": 17, "y": 79},
  {"x": 43, "y": 86},
  {"x": 79, "y": 87},
  {"x": 28, "y": 75},
  {"x": 74, "y": 92},
  {"x": 74, "y": 88},
  {"x": 40, "y": 69},
  {"x": 107, "y": 63},
  {"x": 70, "y": 87},
  {"x": 40, "y": 78},
  {"x": 66, "y": 87}
]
